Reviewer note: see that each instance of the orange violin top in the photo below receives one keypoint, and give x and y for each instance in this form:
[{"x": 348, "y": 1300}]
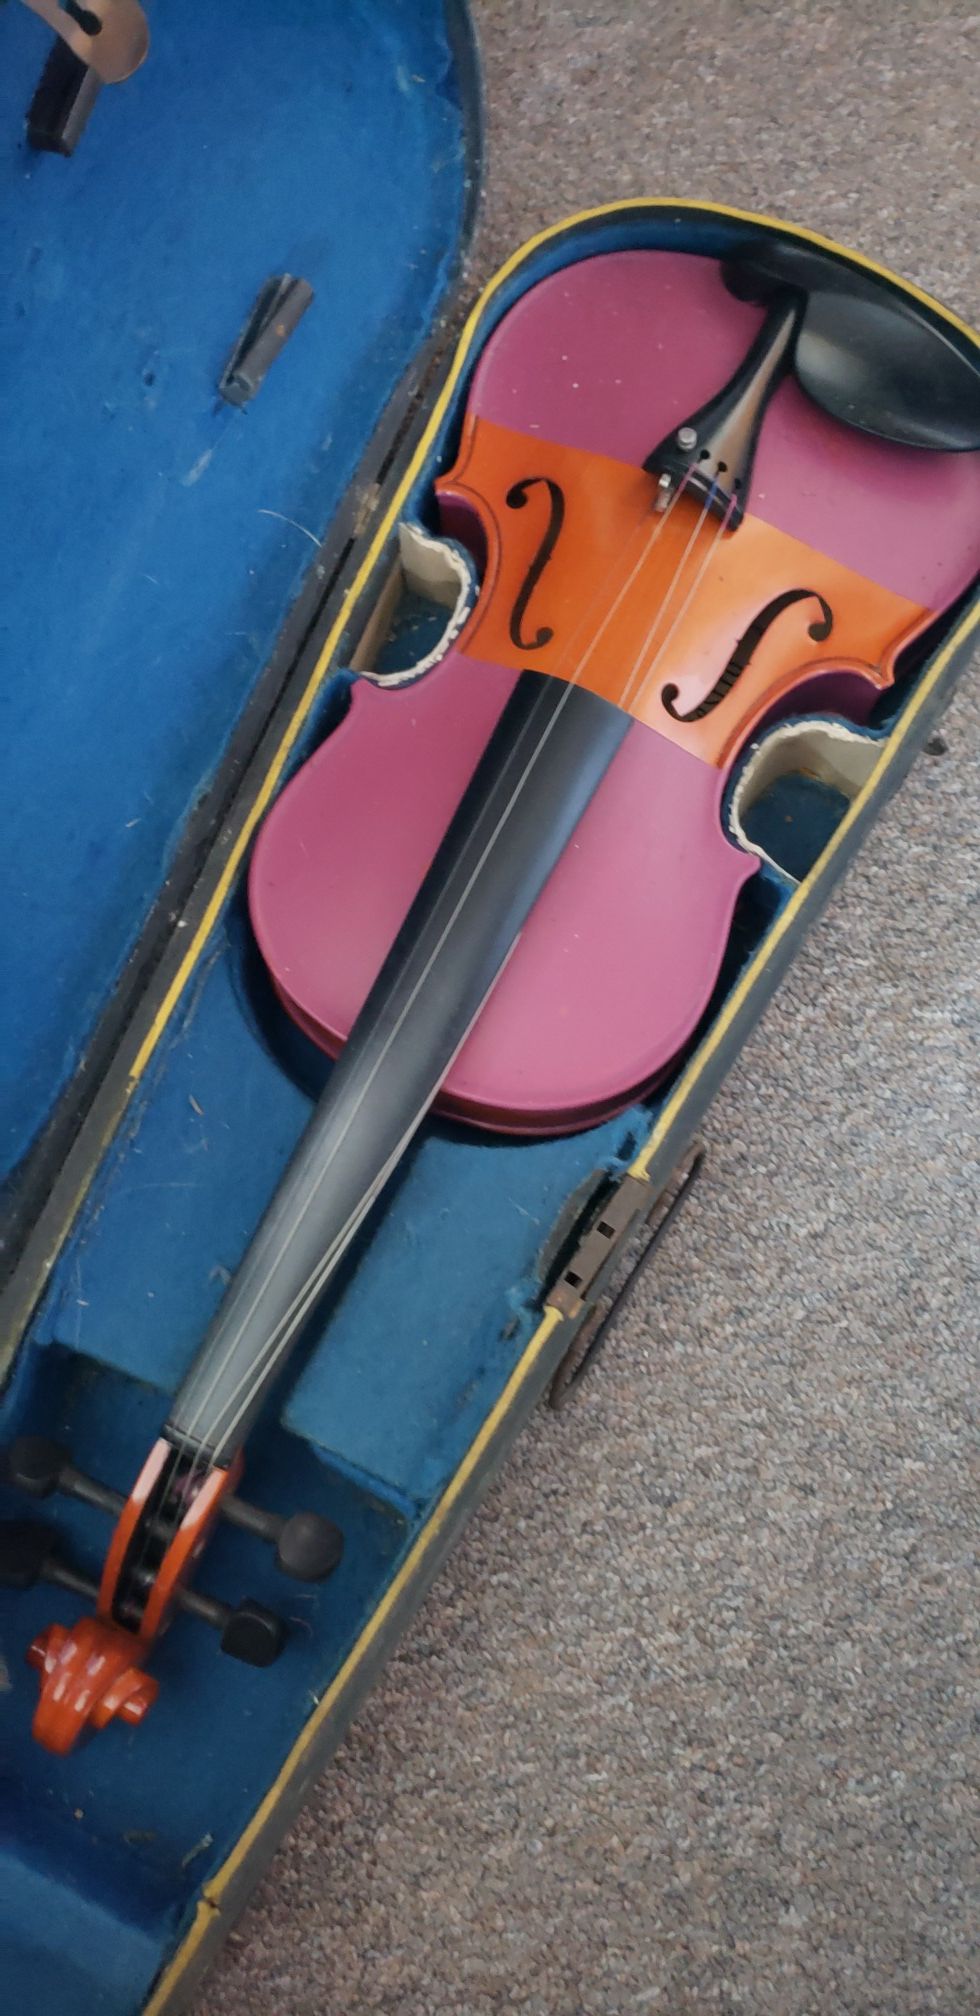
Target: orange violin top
[{"x": 697, "y": 630}]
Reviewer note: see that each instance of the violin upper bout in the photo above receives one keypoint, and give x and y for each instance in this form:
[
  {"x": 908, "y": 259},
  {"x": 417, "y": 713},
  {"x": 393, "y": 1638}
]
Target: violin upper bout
[{"x": 89, "y": 1676}]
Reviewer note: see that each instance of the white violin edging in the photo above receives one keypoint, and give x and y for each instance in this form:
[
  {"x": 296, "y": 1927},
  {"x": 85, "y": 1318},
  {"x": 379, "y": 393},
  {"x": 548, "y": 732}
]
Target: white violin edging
[{"x": 825, "y": 749}]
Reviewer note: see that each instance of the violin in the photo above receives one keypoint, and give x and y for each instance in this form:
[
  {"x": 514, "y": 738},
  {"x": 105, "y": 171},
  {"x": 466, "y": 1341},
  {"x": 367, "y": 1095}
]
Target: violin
[{"x": 689, "y": 504}]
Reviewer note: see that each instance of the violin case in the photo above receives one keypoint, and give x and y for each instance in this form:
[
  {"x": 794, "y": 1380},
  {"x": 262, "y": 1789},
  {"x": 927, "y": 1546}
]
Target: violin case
[{"x": 189, "y": 583}]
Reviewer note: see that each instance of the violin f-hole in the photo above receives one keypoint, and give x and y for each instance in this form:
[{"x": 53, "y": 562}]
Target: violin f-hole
[
  {"x": 516, "y": 499},
  {"x": 746, "y": 647}
]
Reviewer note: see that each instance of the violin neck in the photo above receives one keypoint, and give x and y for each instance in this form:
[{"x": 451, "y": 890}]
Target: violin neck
[{"x": 551, "y": 747}]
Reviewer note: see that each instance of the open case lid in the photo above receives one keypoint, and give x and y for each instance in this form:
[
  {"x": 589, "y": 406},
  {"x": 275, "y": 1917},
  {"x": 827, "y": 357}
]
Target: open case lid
[{"x": 167, "y": 551}]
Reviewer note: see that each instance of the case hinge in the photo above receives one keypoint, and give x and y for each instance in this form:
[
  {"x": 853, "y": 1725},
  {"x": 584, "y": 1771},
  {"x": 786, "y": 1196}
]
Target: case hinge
[{"x": 586, "y": 1276}]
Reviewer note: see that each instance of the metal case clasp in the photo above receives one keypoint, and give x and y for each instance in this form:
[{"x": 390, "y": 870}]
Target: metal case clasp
[{"x": 585, "y": 1278}]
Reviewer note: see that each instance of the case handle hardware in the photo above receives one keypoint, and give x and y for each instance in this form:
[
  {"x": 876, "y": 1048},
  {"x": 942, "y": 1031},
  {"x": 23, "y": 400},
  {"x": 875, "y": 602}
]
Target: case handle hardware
[
  {"x": 59, "y": 110},
  {"x": 584, "y": 1279}
]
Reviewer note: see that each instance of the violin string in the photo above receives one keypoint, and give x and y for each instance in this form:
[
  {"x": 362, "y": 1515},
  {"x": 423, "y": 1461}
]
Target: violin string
[
  {"x": 294, "y": 1317},
  {"x": 700, "y": 572},
  {"x": 211, "y": 1447},
  {"x": 278, "y": 1339},
  {"x": 222, "y": 1430},
  {"x": 306, "y": 1295},
  {"x": 664, "y": 604},
  {"x": 283, "y": 1332},
  {"x": 194, "y": 1427},
  {"x": 650, "y": 541}
]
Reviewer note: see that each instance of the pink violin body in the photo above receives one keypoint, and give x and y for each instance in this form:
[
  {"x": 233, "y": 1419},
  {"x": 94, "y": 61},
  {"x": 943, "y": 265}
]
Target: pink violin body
[
  {"x": 620, "y": 955},
  {"x": 597, "y": 996}
]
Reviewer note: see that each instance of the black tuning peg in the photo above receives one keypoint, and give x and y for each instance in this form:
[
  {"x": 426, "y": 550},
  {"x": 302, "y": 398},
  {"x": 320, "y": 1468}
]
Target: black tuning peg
[
  {"x": 253, "y": 1634},
  {"x": 37, "y": 1465},
  {"x": 29, "y": 1554},
  {"x": 307, "y": 1546},
  {"x": 34, "y": 1464}
]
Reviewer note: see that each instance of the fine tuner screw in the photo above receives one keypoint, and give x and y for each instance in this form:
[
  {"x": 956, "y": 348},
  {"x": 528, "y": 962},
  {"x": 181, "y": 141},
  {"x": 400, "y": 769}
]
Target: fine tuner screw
[{"x": 687, "y": 438}]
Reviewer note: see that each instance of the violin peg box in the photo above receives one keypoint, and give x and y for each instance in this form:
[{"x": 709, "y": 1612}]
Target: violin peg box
[{"x": 285, "y": 634}]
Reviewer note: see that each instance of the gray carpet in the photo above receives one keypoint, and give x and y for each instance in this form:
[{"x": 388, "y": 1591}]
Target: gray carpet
[{"x": 686, "y": 1725}]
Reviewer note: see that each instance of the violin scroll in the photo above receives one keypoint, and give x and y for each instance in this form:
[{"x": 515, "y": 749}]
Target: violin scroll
[
  {"x": 92, "y": 1673},
  {"x": 89, "y": 1675},
  {"x": 110, "y": 36}
]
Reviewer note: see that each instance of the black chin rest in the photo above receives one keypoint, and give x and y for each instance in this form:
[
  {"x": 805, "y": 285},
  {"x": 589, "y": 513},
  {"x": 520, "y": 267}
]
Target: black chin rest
[{"x": 865, "y": 352}]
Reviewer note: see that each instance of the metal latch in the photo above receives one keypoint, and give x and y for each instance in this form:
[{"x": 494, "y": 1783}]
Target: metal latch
[
  {"x": 280, "y": 305},
  {"x": 585, "y": 1278},
  {"x": 61, "y": 106}
]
